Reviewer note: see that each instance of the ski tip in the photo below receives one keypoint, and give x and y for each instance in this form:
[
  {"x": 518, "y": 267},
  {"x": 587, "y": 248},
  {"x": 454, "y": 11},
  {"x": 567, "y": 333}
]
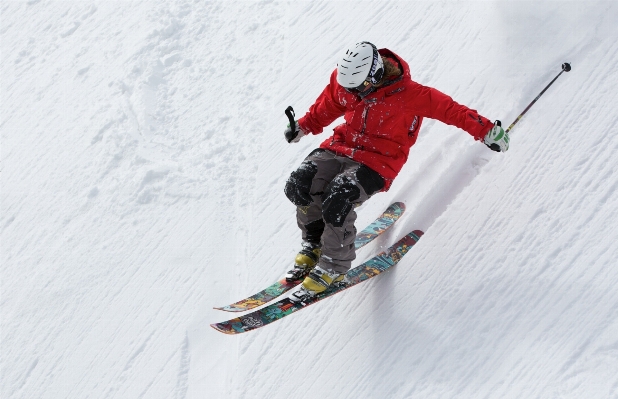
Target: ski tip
[
  {"x": 230, "y": 308},
  {"x": 401, "y": 205},
  {"x": 222, "y": 330},
  {"x": 417, "y": 234},
  {"x": 233, "y": 309}
]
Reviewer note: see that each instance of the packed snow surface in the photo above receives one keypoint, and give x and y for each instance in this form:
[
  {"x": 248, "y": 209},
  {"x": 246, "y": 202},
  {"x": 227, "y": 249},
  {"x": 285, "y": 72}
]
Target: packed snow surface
[{"x": 143, "y": 165}]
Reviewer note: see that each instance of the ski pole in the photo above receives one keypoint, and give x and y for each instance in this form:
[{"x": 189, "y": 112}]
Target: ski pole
[
  {"x": 566, "y": 67},
  {"x": 289, "y": 111}
]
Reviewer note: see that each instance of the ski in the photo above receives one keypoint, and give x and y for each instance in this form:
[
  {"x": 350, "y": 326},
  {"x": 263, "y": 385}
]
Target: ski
[
  {"x": 285, "y": 306},
  {"x": 376, "y": 228}
]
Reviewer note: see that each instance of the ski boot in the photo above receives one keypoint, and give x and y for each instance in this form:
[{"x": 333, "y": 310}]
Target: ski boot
[
  {"x": 306, "y": 260},
  {"x": 315, "y": 283}
]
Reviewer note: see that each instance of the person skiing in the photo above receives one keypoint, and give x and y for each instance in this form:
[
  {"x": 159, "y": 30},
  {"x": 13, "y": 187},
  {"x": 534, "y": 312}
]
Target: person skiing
[{"x": 383, "y": 110}]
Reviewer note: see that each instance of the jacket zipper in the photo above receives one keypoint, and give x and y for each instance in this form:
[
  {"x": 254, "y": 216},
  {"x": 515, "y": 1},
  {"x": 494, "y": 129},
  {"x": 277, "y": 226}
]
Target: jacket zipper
[{"x": 365, "y": 114}]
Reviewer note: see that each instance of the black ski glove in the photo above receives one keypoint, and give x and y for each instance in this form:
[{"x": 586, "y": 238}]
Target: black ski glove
[{"x": 294, "y": 136}]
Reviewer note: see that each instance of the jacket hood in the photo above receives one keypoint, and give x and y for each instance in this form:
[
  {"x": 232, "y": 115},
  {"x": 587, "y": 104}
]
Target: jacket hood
[{"x": 402, "y": 64}]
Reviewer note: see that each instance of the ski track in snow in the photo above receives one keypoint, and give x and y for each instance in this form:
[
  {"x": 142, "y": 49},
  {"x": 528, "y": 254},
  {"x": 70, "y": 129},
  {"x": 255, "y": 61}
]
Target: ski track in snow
[{"x": 143, "y": 167}]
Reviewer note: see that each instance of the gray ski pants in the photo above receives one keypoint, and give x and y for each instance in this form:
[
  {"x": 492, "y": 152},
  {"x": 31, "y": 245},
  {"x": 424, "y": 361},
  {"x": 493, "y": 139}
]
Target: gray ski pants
[{"x": 326, "y": 188}]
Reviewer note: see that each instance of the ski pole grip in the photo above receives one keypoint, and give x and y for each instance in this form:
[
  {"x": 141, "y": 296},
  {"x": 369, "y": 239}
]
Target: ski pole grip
[{"x": 289, "y": 111}]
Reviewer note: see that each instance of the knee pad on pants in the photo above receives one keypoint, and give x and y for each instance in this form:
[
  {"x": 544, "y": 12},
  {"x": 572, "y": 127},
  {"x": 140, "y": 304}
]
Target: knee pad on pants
[
  {"x": 298, "y": 186},
  {"x": 338, "y": 199}
]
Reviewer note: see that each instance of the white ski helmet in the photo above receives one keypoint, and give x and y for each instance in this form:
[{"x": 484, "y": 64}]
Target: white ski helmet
[{"x": 359, "y": 63}]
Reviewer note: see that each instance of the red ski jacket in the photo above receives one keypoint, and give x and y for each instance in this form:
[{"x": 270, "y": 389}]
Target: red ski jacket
[{"x": 380, "y": 128}]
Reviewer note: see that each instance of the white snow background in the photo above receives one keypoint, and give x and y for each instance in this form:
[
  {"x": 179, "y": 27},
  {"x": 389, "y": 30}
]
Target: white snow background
[{"x": 143, "y": 165}]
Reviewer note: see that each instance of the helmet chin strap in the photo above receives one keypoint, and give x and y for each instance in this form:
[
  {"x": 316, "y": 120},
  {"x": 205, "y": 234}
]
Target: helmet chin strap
[{"x": 366, "y": 92}]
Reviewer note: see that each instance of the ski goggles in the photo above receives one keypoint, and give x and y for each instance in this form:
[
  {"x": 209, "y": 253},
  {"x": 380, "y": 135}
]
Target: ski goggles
[{"x": 358, "y": 89}]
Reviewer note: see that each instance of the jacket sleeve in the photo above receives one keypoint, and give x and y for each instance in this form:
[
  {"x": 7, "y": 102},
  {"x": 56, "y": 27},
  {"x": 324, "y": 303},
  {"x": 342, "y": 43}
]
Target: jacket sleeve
[
  {"x": 434, "y": 104},
  {"x": 325, "y": 110}
]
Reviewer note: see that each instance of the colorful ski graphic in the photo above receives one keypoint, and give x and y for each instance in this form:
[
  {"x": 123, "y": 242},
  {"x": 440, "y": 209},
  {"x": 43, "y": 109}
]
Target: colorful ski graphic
[
  {"x": 285, "y": 307},
  {"x": 379, "y": 226}
]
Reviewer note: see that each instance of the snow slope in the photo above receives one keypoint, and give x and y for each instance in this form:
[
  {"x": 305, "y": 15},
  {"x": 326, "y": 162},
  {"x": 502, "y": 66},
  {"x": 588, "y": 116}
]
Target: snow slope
[{"x": 142, "y": 179}]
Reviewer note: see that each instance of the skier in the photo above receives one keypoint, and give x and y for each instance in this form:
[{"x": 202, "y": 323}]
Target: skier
[{"x": 383, "y": 109}]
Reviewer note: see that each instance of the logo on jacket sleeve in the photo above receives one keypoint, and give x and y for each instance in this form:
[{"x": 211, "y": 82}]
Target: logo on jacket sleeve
[{"x": 414, "y": 124}]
